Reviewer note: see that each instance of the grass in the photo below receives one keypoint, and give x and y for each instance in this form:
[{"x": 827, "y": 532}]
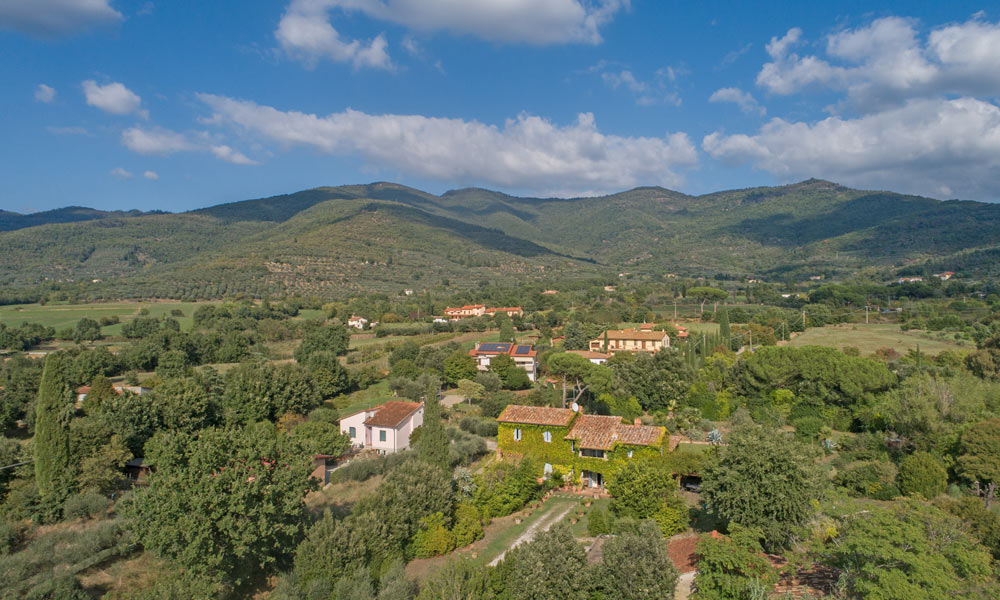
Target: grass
[
  {"x": 362, "y": 399},
  {"x": 61, "y": 316},
  {"x": 869, "y": 338},
  {"x": 507, "y": 531}
]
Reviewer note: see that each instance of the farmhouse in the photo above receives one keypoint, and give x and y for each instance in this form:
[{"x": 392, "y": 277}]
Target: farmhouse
[
  {"x": 510, "y": 311},
  {"x": 589, "y": 448},
  {"x": 598, "y": 358},
  {"x": 477, "y": 310},
  {"x": 630, "y": 340},
  {"x": 524, "y": 356},
  {"x": 384, "y": 428},
  {"x": 357, "y": 322}
]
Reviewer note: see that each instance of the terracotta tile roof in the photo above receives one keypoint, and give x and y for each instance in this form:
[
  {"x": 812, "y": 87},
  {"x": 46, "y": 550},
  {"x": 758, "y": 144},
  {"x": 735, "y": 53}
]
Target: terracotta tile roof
[
  {"x": 392, "y": 414},
  {"x": 536, "y": 415},
  {"x": 495, "y": 348},
  {"x": 600, "y": 432},
  {"x": 588, "y": 354}
]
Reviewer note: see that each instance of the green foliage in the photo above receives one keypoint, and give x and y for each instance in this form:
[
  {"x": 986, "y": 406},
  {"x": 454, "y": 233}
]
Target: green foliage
[
  {"x": 548, "y": 567},
  {"x": 646, "y": 489},
  {"x": 459, "y": 366},
  {"x": 659, "y": 381},
  {"x": 874, "y": 479},
  {"x": 763, "y": 479},
  {"x": 329, "y": 376},
  {"x": 909, "y": 551},
  {"x": 512, "y": 376},
  {"x": 505, "y": 487},
  {"x": 326, "y": 338},
  {"x": 432, "y": 445},
  {"x": 356, "y": 585},
  {"x": 922, "y": 474},
  {"x": 979, "y": 458},
  {"x": 321, "y": 437},
  {"x": 85, "y": 505},
  {"x": 733, "y": 567},
  {"x": 468, "y": 525},
  {"x": 433, "y": 538},
  {"x": 262, "y": 392},
  {"x": 458, "y": 579},
  {"x": 54, "y": 468},
  {"x": 227, "y": 503},
  {"x": 636, "y": 567},
  {"x": 100, "y": 472},
  {"x": 598, "y": 522}
]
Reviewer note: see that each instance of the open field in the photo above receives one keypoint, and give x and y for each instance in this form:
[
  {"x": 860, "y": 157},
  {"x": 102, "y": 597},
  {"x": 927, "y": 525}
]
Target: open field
[
  {"x": 869, "y": 338},
  {"x": 61, "y": 316}
]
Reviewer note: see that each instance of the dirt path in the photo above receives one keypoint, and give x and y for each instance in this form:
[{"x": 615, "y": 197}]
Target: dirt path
[{"x": 542, "y": 524}]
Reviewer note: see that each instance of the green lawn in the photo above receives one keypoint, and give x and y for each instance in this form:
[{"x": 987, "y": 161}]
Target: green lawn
[
  {"x": 362, "y": 399},
  {"x": 61, "y": 316},
  {"x": 502, "y": 541},
  {"x": 869, "y": 338}
]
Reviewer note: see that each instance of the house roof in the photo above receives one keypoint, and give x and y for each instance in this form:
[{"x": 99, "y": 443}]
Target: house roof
[
  {"x": 601, "y": 432},
  {"x": 536, "y": 415},
  {"x": 589, "y": 354},
  {"x": 392, "y": 414},
  {"x": 494, "y": 348}
]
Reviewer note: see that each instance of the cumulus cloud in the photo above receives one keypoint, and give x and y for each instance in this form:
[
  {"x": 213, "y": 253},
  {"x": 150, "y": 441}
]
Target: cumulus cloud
[
  {"x": 661, "y": 88},
  {"x": 306, "y": 34},
  {"x": 113, "y": 98},
  {"x": 887, "y": 62},
  {"x": 44, "y": 93},
  {"x": 52, "y": 18},
  {"x": 120, "y": 173},
  {"x": 526, "y": 153},
  {"x": 933, "y": 147},
  {"x": 151, "y": 175},
  {"x": 155, "y": 141},
  {"x": 229, "y": 155},
  {"x": 747, "y": 103},
  {"x": 305, "y": 30}
]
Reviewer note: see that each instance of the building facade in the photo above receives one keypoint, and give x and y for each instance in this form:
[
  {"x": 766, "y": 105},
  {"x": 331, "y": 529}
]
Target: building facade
[
  {"x": 384, "y": 428},
  {"x": 630, "y": 340},
  {"x": 524, "y": 356}
]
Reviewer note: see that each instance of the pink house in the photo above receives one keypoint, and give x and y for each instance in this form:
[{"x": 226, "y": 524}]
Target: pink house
[{"x": 384, "y": 428}]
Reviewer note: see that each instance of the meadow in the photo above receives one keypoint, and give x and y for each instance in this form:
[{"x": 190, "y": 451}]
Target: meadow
[{"x": 869, "y": 338}]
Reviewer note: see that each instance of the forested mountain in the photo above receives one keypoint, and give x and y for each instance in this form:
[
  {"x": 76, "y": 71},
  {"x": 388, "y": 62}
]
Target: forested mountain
[{"x": 335, "y": 240}]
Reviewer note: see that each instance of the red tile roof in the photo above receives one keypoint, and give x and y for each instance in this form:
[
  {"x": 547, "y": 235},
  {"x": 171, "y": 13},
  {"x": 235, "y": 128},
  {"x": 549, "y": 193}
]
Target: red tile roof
[
  {"x": 600, "y": 432},
  {"x": 588, "y": 354},
  {"x": 392, "y": 414},
  {"x": 536, "y": 415}
]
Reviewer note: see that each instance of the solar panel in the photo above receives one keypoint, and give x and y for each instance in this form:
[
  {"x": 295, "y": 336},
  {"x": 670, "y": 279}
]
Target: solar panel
[
  {"x": 493, "y": 347},
  {"x": 523, "y": 350}
]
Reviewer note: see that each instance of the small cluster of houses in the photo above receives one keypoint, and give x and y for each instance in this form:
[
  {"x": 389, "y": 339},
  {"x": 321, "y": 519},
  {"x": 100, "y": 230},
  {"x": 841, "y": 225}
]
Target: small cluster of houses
[{"x": 454, "y": 313}]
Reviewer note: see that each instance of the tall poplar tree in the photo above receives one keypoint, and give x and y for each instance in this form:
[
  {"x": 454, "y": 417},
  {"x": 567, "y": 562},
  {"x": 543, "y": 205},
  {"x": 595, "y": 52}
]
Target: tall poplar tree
[
  {"x": 54, "y": 473},
  {"x": 432, "y": 446}
]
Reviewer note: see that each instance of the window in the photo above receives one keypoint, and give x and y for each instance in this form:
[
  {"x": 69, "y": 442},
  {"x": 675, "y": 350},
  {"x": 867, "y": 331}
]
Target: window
[
  {"x": 352, "y": 432},
  {"x": 591, "y": 453},
  {"x": 630, "y": 454},
  {"x": 381, "y": 435},
  {"x": 517, "y": 435},
  {"x": 547, "y": 436}
]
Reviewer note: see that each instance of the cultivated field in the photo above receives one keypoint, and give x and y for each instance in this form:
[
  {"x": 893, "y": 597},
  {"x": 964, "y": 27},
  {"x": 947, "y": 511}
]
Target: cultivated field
[
  {"x": 61, "y": 316},
  {"x": 869, "y": 338}
]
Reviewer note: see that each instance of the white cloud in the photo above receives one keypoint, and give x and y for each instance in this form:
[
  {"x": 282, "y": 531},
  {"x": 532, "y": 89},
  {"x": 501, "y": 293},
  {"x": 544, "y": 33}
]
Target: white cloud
[
  {"x": 50, "y": 18},
  {"x": 44, "y": 93},
  {"x": 747, "y": 103},
  {"x": 526, "y": 153},
  {"x": 624, "y": 78},
  {"x": 886, "y": 62},
  {"x": 113, "y": 98},
  {"x": 661, "y": 89},
  {"x": 305, "y": 30},
  {"x": 120, "y": 173},
  {"x": 151, "y": 175},
  {"x": 306, "y": 34},
  {"x": 925, "y": 146},
  {"x": 229, "y": 155},
  {"x": 155, "y": 141}
]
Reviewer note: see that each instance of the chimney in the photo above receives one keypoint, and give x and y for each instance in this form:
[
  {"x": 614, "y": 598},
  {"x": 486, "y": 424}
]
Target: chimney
[{"x": 637, "y": 421}]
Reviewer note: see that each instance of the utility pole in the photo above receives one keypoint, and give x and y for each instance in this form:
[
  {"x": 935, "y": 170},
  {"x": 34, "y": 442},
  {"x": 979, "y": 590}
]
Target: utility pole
[
  {"x": 803, "y": 319},
  {"x": 675, "y": 310},
  {"x": 866, "y": 314}
]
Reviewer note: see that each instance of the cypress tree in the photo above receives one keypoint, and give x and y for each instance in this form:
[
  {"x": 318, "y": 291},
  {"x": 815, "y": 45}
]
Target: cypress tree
[
  {"x": 53, "y": 460},
  {"x": 432, "y": 446},
  {"x": 724, "y": 329}
]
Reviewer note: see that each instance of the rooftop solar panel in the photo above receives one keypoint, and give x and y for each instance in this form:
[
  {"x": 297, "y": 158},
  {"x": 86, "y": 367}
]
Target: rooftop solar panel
[
  {"x": 493, "y": 347},
  {"x": 523, "y": 349}
]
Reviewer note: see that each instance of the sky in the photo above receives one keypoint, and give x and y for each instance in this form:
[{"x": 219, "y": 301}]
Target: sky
[{"x": 121, "y": 104}]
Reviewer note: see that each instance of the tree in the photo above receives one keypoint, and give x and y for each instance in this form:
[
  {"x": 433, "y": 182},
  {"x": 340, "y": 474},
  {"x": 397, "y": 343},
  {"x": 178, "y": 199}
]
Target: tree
[
  {"x": 724, "y": 330},
  {"x": 319, "y": 437},
  {"x": 705, "y": 294},
  {"x": 101, "y": 389},
  {"x": 356, "y": 585},
  {"x": 921, "y": 473},
  {"x": 646, "y": 489},
  {"x": 394, "y": 584},
  {"x": 459, "y": 366},
  {"x": 101, "y": 472},
  {"x": 327, "y": 338},
  {"x": 329, "y": 377},
  {"x": 636, "y": 567},
  {"x": 505, "y": 367},
  {"x": 577, "y": 372},
  {"x": 54, "y": 469},
  {"x": 228, "y": 503},
  {"x": 432, "y": 445},
  {"x": 471, "y": 390},
  {"x": 980, "y": 452},
  {"x": 86, "y": 329},
  {"x": 763, "y": 479},
  {"x": 908, "y": 550},
  {"x": 458, "y": 579},
  {"x": 263, "y": 391},
  {"x": 659, "y": 381},
  {"x": 733, "y": 567},
  {"x": 576, "y": 337},
  {"x": 548, "y": 567}
]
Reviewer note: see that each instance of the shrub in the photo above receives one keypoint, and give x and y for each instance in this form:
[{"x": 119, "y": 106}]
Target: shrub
[
  {"x": 85, "y": 505},
  {"x": 11, "y": 535},
  {"x": 808, "y": 428},
  {"x": 921, "y": 473},
  {"x": 598, "y": 522},
  {"x": 468, "y": 525},
  {"x": 874, "y": 479}
]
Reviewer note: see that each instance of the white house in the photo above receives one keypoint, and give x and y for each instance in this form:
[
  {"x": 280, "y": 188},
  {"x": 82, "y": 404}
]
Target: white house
[
  {"x": 384, "y": 428},
  {"x": 598, "y": 358},
  {"x": 525, "y": 357},
  {"x": 357, "y": 322}
]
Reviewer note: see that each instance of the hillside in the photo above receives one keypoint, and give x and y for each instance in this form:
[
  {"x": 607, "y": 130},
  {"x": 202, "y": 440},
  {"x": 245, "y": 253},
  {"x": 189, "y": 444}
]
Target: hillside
[{"x": 384, "y": 236}]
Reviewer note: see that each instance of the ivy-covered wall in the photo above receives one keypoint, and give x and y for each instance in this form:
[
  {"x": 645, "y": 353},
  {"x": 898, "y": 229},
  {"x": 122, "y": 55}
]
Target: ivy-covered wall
[{"x": 559, "y": 453}]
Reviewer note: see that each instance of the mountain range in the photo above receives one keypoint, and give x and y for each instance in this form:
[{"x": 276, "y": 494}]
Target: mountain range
[{"x": 336, "y": 240}]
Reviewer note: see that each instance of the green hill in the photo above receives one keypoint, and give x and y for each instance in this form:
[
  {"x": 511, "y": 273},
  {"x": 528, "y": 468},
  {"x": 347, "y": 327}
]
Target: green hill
[{"x": 384, "y": 236}]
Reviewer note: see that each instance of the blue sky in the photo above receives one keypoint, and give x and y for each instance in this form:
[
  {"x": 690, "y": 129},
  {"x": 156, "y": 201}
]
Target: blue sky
[{"x": 177, "y": 105}]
